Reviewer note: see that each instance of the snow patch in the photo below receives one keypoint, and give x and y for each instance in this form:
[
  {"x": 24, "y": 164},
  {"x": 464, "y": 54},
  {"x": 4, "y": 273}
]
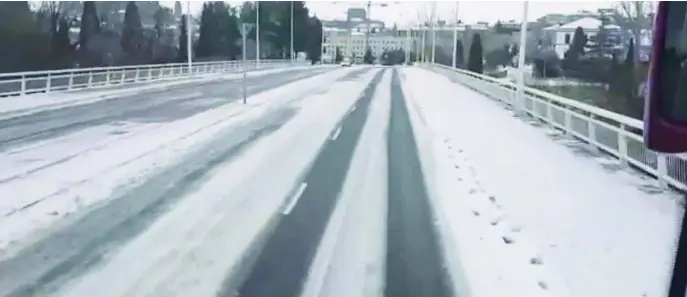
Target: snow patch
[{"x": 548, "y": 220}]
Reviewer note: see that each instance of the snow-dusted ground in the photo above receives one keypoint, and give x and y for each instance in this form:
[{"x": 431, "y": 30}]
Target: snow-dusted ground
[
  {"x": 350, "y": 260},
  {"x": 23, "y": 105},
  {"x": 529, "y": 216},
  {"x": 187, "y": 251},
  {"x": 103, "y": 162}
]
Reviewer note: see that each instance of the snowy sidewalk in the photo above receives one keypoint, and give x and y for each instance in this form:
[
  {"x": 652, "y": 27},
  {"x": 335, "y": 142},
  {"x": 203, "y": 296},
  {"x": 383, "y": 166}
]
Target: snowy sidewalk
[{"x": 538, "y": 210}]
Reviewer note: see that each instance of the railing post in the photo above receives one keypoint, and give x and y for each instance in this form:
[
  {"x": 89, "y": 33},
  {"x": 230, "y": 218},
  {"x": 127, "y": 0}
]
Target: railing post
[
  {"x": 567, "y": 122},
  {"x": 591, "y": 127},
  {"x": 23, "y": 85},
  {"x": 161, "y": 73},
  {"x": 70, "y": 83},
  {"x": 123, "y": 79},
  {"x": 90, "y": 79},
  {"x": 622, "y": 145},
  {"x": 662, "y": 170},
  {"x": 150, "y": 73},
  {"x": 48, "y": 83},
  {"x": 137, "y": 75},
  {"x": 107, "y": 76}
]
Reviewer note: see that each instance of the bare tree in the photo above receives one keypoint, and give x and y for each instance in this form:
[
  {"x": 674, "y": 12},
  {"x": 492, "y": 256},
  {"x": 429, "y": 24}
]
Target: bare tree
[{"x": 634, "y": 16}]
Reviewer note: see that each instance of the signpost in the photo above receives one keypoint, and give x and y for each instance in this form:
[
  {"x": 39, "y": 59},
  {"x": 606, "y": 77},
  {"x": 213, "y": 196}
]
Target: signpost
[{"x": 245, "y": 28}]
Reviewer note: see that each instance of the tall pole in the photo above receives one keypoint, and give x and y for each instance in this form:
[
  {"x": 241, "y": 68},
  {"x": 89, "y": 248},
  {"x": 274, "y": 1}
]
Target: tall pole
[
  {"x": 455, "y": 36},
  {"x": 434, "y": 31},
  {"x": 349, "y": 43},
  {"x": 424, "y": 46},
  {"x": 322, "y": 46},
  {"x": 407, "y": 47},
  {"x": 257, "y": 32},
  {"x": 244, "y": 32},
  {"x": 368, "y": 17},
  {"x": 521, "y": 60},
  {"x": 189, "y": 38},
  {"x": 293, "y": 57}
]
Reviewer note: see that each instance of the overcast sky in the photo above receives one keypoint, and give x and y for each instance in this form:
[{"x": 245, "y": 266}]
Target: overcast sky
[{"x": 406, "y": 12}]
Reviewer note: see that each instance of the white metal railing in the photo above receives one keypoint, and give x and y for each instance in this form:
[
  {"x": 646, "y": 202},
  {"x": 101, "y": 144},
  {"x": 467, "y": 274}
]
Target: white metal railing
[
  {"x": 602, "y": 130},
  {"x": 22, "y": 83}
]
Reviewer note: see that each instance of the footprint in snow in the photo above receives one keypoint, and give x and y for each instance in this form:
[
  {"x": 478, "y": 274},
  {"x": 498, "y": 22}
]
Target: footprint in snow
[
  {"x": 536, "y": 261},
  {"x": 508, "y": 239},
  {"x": 543, "y": 285}
]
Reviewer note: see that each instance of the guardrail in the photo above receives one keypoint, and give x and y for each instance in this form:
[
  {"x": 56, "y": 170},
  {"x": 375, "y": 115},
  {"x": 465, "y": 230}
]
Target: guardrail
[
  {"x": 602, "y": 130},
  {"x": 22, "y": 83}
]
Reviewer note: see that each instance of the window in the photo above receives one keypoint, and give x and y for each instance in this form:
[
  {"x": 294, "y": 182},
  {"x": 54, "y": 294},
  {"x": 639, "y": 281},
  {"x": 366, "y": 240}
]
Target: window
[
  {"x": 673, "y": 61},
  {"x": 567, "y": 38}
]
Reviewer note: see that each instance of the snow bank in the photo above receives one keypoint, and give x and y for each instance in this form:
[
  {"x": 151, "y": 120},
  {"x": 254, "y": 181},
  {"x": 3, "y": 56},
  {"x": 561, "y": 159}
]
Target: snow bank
[
  {"x": 187, "y": 251},
  {"x": 36, "y": 199},
  {"x": 541, "y": 217},
  {"x": 22, "y": 105}
]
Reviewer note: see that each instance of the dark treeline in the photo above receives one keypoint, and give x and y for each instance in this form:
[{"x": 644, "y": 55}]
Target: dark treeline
[{"x": 66, "y": 34}]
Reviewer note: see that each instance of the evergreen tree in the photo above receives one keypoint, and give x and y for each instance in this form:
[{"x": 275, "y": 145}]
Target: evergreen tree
[
  {"x": 132, "y": 32},
  {"x": 90, "y": 25},
  {"x": 368, "y": 58},
  {"x": 207, "y": 31},
  {"x": 182, "y": 53},
  {"x": 314, "y": 38},
  {"x": 337, "y": 55},
  {"x": 630, "y": 58},
  {"x": 476, "y": 58},
  {"x": 578, "y": 44},
  {"x": 460, "y": 54}
]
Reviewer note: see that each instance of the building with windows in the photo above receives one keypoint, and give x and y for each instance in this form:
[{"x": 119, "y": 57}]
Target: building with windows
[
  {"x": 378, "y": 43},
  {"x": 559, "y": 37}
]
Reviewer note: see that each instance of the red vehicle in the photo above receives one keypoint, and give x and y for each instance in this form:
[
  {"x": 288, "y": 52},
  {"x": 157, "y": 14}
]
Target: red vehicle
[{"x": 665, "y": 115}]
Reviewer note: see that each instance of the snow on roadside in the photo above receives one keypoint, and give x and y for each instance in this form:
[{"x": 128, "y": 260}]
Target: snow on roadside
[
  {"x": 37, "y": 201},
  {"x": 19, "y": 106},
  {"x": 558, "y": 218},
  {"x": 187, "y": 252}
]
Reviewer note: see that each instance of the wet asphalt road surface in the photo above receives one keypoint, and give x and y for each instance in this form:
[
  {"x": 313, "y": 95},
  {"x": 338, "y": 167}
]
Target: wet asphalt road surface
[{"x": 414, "y": 264}]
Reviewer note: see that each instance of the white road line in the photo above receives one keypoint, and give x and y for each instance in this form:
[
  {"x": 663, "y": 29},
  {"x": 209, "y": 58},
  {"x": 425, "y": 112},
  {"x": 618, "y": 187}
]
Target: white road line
[
  {"x": 292, "y": 203},
  {"x": 336, "y": 133}
]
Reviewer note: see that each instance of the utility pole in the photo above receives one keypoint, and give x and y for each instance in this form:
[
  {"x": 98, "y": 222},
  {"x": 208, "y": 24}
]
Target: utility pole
[
  {"x": 293, "y": 57},
  {"x": 189, "y": 38},
  {"x": 521, "y": 61},
  {"x": 434, "y": 31},
  {"x": 455, "y": 35},
  {"x": 368, "y": 18},
  {"x": 244, "y": 32},
  {"x": 257, "y": 33}
]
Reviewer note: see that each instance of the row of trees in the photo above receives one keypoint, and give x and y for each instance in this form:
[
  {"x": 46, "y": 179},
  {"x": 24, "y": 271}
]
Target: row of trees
[
  {"x": 39, "y": 38},
  {"x": 220, "y": 30}
]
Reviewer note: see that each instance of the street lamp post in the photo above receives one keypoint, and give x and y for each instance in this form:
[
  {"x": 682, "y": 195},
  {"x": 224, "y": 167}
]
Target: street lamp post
[
  {"x": 519, "y": 97},
  {"x": 434, "y": 31},
  {"x": 189, "y": 38},
  {"x": 293, "y": 57},
  {"x": 244, "y": 32},
  {"x": 257, "y": 33},
  {"x": 455, "y": 36}
]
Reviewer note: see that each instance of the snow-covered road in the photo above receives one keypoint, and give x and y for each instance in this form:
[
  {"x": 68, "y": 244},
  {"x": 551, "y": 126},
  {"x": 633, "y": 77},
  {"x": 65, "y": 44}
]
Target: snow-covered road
[{"x": 361, "y": 181}]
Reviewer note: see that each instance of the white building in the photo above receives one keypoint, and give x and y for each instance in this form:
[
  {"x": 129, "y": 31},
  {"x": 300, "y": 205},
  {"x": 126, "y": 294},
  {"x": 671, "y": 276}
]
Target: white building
[
  {"x": 378, "y": 43},
  {"x": 559, "y": 37}
]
